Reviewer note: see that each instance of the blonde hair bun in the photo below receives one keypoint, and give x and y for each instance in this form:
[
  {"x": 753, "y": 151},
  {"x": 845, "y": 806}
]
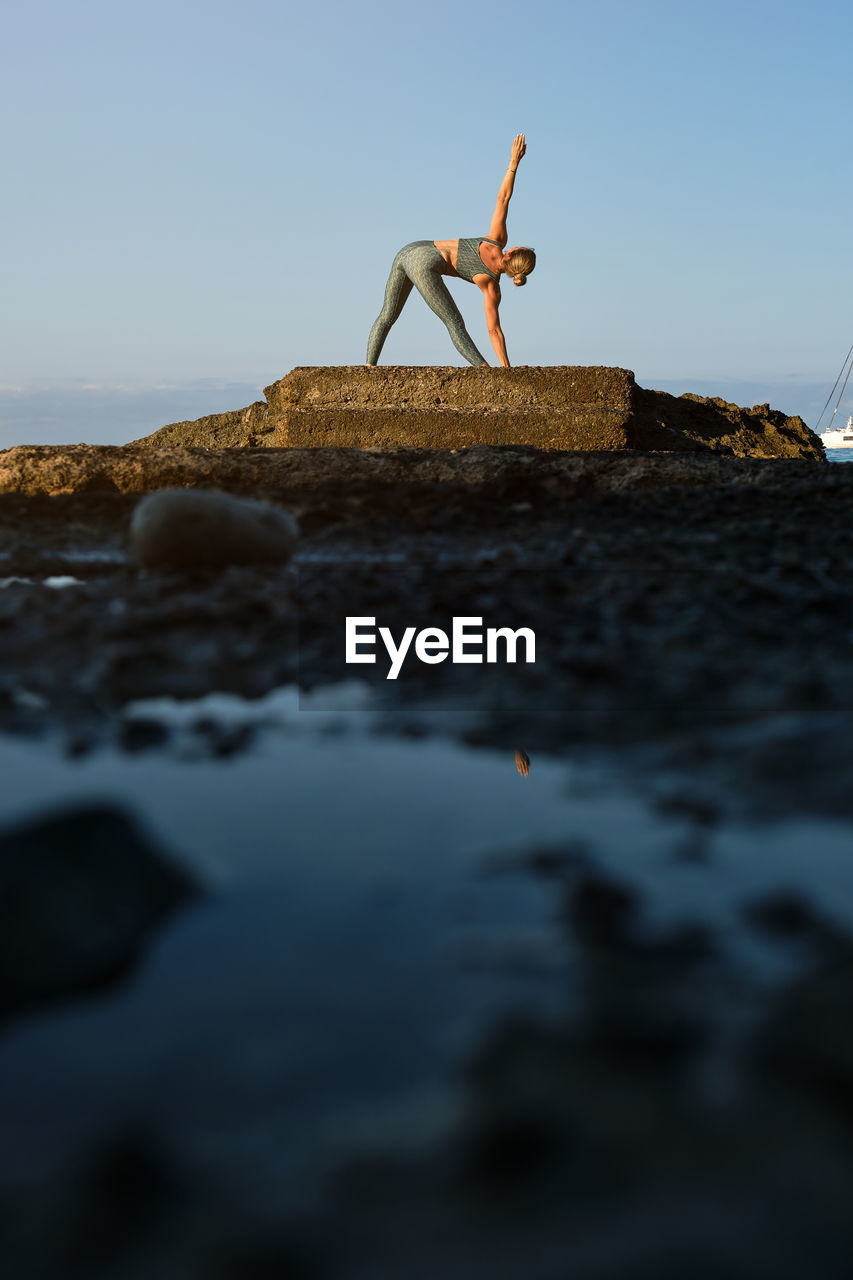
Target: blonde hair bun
[{"x": 519, "y": 264}]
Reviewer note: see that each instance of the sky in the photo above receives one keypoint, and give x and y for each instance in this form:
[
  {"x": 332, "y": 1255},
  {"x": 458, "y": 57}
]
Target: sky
[{"x": 201, "y": 196}]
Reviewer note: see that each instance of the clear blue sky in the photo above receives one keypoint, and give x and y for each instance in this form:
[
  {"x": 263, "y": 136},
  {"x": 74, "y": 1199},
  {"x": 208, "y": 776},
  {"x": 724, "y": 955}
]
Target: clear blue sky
[{"x": 199, "y": 196}]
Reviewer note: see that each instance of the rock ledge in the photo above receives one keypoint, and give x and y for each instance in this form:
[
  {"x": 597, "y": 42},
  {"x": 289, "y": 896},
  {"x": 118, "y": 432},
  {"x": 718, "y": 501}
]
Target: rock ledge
[{"x": 562, "y": 407}]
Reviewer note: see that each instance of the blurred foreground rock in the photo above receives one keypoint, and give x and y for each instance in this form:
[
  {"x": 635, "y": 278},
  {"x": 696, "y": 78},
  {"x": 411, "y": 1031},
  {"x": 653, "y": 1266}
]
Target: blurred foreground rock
[
  {"x": 192, "y": 528},
  {"x": 668, "y": 592},
  {"x": 80, "y": 894}
]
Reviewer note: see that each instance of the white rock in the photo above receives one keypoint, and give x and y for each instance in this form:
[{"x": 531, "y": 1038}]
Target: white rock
[{"x": 194, "y": 528}]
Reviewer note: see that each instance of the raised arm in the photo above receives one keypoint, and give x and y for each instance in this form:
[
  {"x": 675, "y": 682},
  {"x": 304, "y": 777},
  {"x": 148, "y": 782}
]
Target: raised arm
[{"x": 497, "y": 231}]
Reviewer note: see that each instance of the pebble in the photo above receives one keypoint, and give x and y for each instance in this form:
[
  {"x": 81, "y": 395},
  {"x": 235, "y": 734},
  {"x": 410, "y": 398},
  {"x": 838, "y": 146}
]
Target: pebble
[{"x": 204, "y": 528}]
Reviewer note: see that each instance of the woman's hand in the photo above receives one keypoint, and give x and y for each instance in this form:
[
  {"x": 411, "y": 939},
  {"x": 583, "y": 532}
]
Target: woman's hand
[{"x": 519, "y": 146}]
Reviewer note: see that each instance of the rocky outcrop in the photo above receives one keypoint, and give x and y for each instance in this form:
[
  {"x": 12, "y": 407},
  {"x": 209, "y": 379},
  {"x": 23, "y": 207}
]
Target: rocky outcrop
[
  {"x": 690, "y": 422},
  {"x": 443, "y": 407},
  {"x": 248, "y": 428}
]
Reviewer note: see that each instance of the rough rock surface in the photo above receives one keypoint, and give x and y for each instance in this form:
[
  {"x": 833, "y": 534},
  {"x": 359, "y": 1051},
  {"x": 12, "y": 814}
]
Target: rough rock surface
[
  {"x": 662, "y": 421},
  {"x": 549, "y": 407},
  {"x": 566, "y": 407},
  {"x": 80, "y": 892},
  {"x": 191, "y": 528},
  {"x": 129, "y": 469},
  {"x": 241, "y": 428}
]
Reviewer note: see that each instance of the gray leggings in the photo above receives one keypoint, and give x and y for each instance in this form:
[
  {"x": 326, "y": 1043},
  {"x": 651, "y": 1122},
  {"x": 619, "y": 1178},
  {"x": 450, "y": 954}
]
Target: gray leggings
[{"x": 420, "y": 264}]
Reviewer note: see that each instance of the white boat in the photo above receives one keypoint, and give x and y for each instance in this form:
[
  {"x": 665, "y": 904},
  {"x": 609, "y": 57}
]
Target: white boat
[
  {"x": 841, "y": 439},
  {"x": 838, "y": 439}
]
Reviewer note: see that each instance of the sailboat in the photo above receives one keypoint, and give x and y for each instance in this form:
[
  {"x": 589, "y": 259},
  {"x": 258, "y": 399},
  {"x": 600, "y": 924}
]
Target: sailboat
[{"x": 840, "y": 438}]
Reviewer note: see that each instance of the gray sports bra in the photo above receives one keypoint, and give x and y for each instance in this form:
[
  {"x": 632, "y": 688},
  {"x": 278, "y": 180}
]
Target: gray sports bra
[{"x": 468, "y": 260}]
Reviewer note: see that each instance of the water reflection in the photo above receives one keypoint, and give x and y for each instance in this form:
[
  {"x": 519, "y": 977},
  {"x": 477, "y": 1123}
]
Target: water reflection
[{"x": 506, "y": 991}]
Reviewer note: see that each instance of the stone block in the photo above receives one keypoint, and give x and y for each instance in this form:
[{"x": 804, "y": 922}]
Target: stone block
[{"x": 440, "y": 407}]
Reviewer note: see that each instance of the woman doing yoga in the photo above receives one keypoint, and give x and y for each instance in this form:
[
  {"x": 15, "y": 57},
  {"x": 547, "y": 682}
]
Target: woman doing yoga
[{"x": 481, "y": 260}]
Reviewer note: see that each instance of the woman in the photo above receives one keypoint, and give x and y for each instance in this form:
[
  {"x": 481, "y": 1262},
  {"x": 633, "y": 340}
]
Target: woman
[{"x": 481, "y": 260}]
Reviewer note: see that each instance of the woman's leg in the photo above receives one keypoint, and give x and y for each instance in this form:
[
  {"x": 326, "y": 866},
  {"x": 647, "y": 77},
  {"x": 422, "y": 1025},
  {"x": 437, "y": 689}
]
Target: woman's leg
[
  {"x": 397, "y": 290},
  {"x": 423, "y": 269}
]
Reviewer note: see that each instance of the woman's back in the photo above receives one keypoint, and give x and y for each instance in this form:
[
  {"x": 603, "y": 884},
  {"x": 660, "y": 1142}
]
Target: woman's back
[{"x": 468, "y": 260}]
